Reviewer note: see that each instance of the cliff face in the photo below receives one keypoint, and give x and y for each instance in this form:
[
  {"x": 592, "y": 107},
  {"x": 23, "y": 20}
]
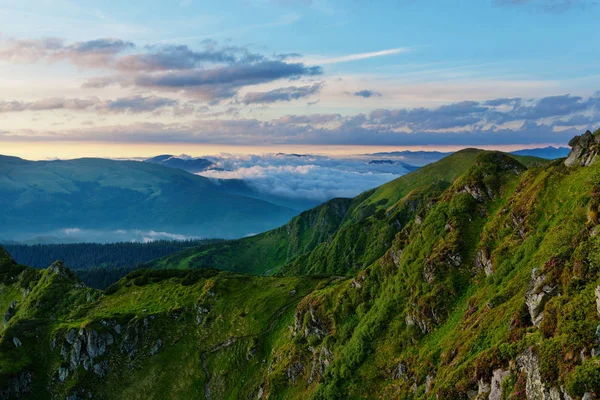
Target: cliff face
[
  {"x": 483, "y": 287},
  {"x": 584, "y": 149}
]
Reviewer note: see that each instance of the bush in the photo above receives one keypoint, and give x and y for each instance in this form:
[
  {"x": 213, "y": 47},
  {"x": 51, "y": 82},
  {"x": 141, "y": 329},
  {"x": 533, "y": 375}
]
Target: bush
[{"x": 585, "y": 378}]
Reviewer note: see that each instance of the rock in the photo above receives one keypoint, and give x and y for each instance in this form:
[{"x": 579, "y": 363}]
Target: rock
[
  {"x": 429, "y": 272},
  {"x": 294, "y": 371},
  {"x": 420, "y": 322},
  {"x": 101, "y": 368},
  {"x": 598, "y": 298},
  {"x": 58, "y": 268},
  {"x": 396, "y": 256},
  {"x": 293, "y": 292},
  {"x": 455, "y": 259},
  {"x": 475, "y": 193},
  {"x": 17, "y": 342},
  {"x": 535, "y": 389},
  {"x": 483, "y": 388},
  {"x": 200, "y": 313},
  {"x": 18, "y": 386},
  {"x": 483, "y": 261},
  {"x": 156, "y": 347},
  {"x": 355, "y": 284},
  {"x": 498, "y": 376},
  {"x": 537, "y": 295},
  {"x": 321, "y": 360},
  {"x": 429, "y": 383},
  {"x": 529, "y": 363},
  {"x": 81, "y": 347},
  {"x": 400, "y": 372},
  {"x": 584, "y": 150},
  {"x": 63, "y": 373},
  {"x": 10, "y": 312}
]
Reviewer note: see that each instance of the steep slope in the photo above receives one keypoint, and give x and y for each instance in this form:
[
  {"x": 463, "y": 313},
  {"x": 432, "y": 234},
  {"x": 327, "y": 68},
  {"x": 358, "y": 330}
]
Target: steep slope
[
  {"x": 312, "y": 243},
  {"x": 264, "y": 253},
  {"x": 490, "y": 290},
  {"x": 98, "y": 194}
]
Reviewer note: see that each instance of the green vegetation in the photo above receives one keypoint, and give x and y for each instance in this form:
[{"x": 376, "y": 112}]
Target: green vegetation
[
  {"x": 477, "y": 273},
  {"x": 99, "y": 264}
]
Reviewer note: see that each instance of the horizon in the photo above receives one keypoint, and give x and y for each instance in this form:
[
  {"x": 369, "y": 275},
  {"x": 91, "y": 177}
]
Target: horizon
[{"x": 53, "y": 151}]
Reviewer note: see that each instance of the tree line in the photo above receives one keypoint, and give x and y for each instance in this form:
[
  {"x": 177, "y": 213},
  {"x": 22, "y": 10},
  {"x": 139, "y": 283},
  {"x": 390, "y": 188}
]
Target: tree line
[{"x": 98, "y": 264}]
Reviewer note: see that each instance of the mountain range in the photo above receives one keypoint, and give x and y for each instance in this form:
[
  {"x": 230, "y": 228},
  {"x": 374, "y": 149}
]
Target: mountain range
[
  {"x": 45, "y": 198},
  {"x": 475, "y": 277}
]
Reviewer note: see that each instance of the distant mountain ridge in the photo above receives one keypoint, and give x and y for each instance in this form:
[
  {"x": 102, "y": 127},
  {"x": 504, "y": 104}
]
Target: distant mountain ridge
[
  {"x": 38, "y": 197},
  {"x": 193, "y": 165},
  {"x": 423, "y": 157}
]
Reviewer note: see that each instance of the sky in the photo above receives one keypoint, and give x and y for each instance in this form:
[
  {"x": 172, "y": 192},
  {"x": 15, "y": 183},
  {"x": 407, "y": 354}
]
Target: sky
[{"x": 139, "y": 78}]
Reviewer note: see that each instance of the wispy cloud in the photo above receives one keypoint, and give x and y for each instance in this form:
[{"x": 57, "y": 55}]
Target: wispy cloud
[
  {"x": 553, "y": 119},
  {"x": 355, "y": 57}
]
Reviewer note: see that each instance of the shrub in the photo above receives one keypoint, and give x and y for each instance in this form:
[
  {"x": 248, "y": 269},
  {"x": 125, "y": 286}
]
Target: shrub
[{"x": 585, "y": 378}]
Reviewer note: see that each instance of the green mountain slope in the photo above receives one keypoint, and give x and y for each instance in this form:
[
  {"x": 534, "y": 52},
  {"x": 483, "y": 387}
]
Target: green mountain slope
[
  {"x": 312, "y": 243},
  {"x": 489, "y": 289},
  {"x": 99, "y": 194}
]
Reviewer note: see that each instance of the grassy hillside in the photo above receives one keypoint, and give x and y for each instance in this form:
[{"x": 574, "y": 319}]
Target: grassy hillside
[
  {"x": 489, "y": 288},
  {"x": 312, "y": 243},
  {"x": 99, "y": 194}
]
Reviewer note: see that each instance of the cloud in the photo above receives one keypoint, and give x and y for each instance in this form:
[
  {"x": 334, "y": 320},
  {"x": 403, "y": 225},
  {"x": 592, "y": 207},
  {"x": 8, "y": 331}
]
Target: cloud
[
  {"x": 358, "y": 56},
  {"x": 213, "y": 73},
  {"x": 94, "y": 53},
  {"x": 181, "y": 57},
  {"x": 54, "y": 103},
  {"x": 553, "y": 119},
  {"x": 282, "y": 94},
  {"x": 308, "y": 177},
  {"x": 366, "y": 93},
  {"x": 133, "y": 104},
  {"x": 224, "y": 82}
]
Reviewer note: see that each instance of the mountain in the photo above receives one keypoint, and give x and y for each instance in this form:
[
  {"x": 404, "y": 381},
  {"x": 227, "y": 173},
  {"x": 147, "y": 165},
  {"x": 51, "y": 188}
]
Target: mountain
[
  {"x": 87, "y": 195},
  {"x": 192, "y": 165},
  {"x": 476, "y": 277},
  {"x": 550, "y": 153},
  {"x": 406, "y": 166},
  {"x": 414, "y": 158},
  {"x": 420, "y": 158}
]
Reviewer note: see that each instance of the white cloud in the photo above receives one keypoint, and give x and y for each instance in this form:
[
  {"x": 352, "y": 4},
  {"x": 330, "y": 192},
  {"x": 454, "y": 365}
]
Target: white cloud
[
  {"x": 316, "y": 178},
  {"x": 355, "y": 57}
]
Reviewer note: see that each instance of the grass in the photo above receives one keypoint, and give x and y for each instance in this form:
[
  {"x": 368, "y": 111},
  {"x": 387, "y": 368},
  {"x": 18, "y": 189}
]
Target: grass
[{"x": 362, "y": 287}]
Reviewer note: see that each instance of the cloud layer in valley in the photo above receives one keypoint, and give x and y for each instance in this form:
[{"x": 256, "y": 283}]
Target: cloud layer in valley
[{"x": 308, "y": 177}]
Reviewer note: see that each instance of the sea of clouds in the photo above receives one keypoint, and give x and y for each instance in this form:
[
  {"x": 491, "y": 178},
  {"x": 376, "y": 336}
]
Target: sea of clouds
[{"x": 308, "y": 177}]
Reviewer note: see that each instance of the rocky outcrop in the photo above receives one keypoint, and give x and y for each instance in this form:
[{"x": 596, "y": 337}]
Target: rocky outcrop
[
  {"x": 529, "y": 363},
  {"x": 10, "y": 312},
  {"x": 18, "y": 386},
  {"x": 316, "y": 326},
  {"x": 321, "y": 360},
  {"x": 200, "y": 313},
  {"x": 483, "y": 261},
  {"x": 400, "y": 372},
  {"x": 498, "y": 377},
  {"x": 134, "y": 334},
  {"x": 584, "y": 150},
  {"x": 537, "y": 295},
  {"x": 597, "y": 292},
  {"x": 81, "y": 348}
]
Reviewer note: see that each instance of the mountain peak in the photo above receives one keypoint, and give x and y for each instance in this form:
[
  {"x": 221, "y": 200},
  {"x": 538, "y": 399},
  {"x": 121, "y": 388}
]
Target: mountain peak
[{"x": 584, "y": 149}]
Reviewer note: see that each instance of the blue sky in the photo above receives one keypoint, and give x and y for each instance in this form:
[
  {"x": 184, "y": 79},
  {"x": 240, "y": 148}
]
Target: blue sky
[{"x": 297, "y": 73}]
